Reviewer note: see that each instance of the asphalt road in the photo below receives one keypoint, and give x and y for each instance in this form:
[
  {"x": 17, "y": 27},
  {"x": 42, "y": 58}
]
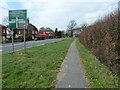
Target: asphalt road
[
  {"x": 71, "y": 74},
  {"x": 6, "y": 48}
]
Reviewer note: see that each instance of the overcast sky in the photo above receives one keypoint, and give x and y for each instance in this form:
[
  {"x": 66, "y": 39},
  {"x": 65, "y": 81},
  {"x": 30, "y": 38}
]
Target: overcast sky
[{"x": 58, "y": 13}]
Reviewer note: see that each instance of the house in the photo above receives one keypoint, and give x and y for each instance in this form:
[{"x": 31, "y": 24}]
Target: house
[
  {"x": 76, "y": 32},
  {"x": 3, "y": 33},
  {"x": 31, "y": 32},
  {"x": 34, "y": 31}
]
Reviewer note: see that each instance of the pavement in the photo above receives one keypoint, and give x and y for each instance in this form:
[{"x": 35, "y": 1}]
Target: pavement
[
  {"x": 71, "y": 74},
  {"x": 6, "y": 48}
]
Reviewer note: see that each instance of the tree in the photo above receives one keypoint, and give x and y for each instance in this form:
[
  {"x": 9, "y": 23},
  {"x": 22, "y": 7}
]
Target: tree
[
  {"x": 71, "y": 25},
  {"x": 66, "y": 34},
  {"x": 60, "y": 34},
  {"x": 63, "y": 33},
  {"x": 56, "y": 31},
  {"x": 84, "y": 26}
]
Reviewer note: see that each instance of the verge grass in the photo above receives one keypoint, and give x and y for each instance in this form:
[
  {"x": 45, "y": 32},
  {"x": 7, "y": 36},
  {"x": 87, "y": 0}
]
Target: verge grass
[
  {"x": 97, "y": 74},
  {"x": 36, "y": 69}
]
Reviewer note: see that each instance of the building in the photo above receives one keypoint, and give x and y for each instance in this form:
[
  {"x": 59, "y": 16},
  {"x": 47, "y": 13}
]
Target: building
[
  {"x": 31, "y": 33},
  {"x": 76, "y": 32},
  {"x": 3, "y": 33}
]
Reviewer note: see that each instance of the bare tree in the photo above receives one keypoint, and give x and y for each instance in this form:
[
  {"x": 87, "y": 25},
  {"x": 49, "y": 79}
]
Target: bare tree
[
  {"x": 71, "y": 25},
  {"x": 84, "y": 26}
]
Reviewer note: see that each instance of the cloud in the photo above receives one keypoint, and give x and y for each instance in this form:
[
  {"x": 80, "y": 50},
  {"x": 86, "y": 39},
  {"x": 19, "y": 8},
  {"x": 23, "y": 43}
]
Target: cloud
[
  {"x": 92, "y": 17},
  {"x": 54, "y": 13},
  {"x": 58, "y": 14},
  {"x": 104, "y": 10},
  {"x": 4, "y": 9},
  {"x": 63, "y": 0}
]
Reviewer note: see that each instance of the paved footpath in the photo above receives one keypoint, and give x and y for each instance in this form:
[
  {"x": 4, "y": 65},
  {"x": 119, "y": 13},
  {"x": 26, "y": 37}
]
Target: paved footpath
[{"x": 71, "y": 74}]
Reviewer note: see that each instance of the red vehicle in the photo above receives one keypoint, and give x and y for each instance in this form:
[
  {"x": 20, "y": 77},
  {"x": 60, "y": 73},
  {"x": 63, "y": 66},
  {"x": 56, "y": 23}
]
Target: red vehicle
[
  {"x": 42, "y": 35},
  {"x": 46, "y": 35}
]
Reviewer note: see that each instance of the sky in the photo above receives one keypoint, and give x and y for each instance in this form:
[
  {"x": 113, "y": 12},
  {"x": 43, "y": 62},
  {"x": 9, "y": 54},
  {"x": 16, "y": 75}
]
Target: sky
[{"x": 58, "y": 13}]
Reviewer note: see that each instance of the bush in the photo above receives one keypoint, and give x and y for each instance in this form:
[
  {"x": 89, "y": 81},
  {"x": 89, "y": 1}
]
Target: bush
[{"x": 102, "y": 38}]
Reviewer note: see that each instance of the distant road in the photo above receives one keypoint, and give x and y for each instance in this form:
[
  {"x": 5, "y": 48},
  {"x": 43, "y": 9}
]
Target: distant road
[{"x": 6, "y": 48}]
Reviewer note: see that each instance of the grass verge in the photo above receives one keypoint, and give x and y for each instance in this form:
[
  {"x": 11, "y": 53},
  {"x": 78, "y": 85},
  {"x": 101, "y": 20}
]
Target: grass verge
[
  {"x": 97, "y": 74},
  {"x": 37, "y": 69}
]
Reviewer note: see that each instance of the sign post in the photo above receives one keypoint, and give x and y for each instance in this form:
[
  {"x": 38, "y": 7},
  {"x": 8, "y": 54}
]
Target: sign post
[
  {"x": 12, "y": 40},
  {"x": 18, "y": 20},
  {"x": 24, "y": 40}
]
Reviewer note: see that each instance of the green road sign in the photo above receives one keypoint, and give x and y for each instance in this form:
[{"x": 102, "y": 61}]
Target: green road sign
[{"x": 18, "y": 19}]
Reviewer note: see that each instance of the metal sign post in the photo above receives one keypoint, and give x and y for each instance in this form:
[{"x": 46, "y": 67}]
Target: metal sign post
[
  {"x": 18, "y": 20},
  {"x": 24, "y": 40},
  {"x": 12, "y": 40}
]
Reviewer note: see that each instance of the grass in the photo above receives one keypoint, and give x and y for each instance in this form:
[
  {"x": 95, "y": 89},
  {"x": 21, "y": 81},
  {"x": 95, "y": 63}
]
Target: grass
[
  {"x": 37, "y": 69},
  {"x": 97, "y": 74}
]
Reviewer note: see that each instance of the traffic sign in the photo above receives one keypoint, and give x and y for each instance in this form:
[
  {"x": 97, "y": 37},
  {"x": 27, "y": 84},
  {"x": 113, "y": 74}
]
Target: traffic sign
[{"x": 18, "y": 19}]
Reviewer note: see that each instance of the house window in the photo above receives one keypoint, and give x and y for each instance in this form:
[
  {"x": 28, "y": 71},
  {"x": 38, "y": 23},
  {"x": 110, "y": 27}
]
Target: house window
[
  {"x": 32, "y": 32},
  {"x": 19, "y": 32},
  {"x": 3, "y": 37},
  {"x": 33, "y": 37},
  {"x": 7, "y": 31},
  {"x": 3, "y": 30}
]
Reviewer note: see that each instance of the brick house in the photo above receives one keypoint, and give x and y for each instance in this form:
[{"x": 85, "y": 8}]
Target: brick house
[
  {"x": 31, "y": 32},
  {"x": 3, "y": 33},
  {"x": 34, "y": 31}
]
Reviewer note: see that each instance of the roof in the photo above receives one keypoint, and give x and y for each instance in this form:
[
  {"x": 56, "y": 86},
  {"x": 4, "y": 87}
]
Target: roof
[
  {"x": 42, "y": 29},
  {"x": 2, "y": 25},
  {"x": 31, "y": 26}
]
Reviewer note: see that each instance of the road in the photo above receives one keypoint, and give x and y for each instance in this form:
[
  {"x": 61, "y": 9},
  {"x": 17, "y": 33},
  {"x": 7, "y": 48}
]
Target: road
[
  {"x": 6, "y": 48},
  {"x": 71, "y": 74}
]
